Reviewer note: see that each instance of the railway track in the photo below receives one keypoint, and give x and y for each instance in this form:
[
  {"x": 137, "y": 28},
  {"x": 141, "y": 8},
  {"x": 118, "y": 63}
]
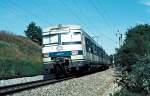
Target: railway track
[
  {"x": 29, "y": 85},
  {"x": 26, "y": 86}
]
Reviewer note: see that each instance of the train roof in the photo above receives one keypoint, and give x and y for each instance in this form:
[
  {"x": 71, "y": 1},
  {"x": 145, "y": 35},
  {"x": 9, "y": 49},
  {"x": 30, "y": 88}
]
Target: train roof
[{"x": 62, "y": 26}]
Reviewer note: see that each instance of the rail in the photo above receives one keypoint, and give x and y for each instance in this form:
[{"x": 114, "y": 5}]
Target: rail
[{"x": 26, "y": 86}]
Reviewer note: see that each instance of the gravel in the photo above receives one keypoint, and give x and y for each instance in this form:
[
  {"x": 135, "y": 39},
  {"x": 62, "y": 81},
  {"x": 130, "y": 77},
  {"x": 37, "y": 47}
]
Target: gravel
[
  {"x": 98, "y": 84},
  {"x": 20, "y": 80}
]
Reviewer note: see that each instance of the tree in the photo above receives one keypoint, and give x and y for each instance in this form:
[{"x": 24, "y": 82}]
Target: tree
[
  {"x": 34, "y": 33},
  {"x": 134, "y": 63},
  {"x": 137, "y": 43}
]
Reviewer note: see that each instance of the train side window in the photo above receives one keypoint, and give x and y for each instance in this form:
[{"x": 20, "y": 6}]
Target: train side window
[
  {"x": 97, "y": 53},
  {"x": 92, "y": 48},
  {"x": 87, "y": 44},
  {"x": 46, "y": 40}
]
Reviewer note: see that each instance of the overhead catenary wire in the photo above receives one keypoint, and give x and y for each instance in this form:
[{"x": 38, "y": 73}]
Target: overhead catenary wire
[
  {"x": 71, "y": 11},
  {"x": 106, "y": 14},
  {"x": 78, "y": 18},
  {"x": 88, "y": 20},
  {"x": 27, "y": 11},
  {"x": 84, "y": 16},
  {"x": 12, "y": 11},
  {"x": 101, "y": 15},
  {"x": 81, "y": 13},
  {"x": 35, "y": 3}
]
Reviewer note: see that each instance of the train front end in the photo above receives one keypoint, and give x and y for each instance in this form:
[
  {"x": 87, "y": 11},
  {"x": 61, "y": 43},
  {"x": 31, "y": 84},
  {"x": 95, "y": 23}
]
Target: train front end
[{"x": 62, "y": 49}]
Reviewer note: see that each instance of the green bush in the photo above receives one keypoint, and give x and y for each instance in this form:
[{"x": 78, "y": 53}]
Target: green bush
[
  {"x": 125, "y": 92},
  {"x": 133, "y": 62},
  {"x": 137, "y": 81},
  {"x": 19, "y": 56},
  {"x": 12, "y": 68}
]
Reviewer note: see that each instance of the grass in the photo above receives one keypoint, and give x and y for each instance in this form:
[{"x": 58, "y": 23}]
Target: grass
[{"x": 19, "y": 56}]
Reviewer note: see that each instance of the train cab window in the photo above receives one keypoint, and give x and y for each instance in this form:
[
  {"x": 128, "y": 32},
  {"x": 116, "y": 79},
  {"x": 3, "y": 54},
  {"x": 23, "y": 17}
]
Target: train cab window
[
  {"x": 46, "y": 40},
  {"x": 71, "y": 38},
  {"x": 76, "y": 36},
  {"x": 66, "y": 37},
  {"x": 54, "y": 39}
]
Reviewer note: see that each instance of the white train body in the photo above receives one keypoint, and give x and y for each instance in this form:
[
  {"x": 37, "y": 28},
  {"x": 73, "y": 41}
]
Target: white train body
[{"x": 72, "y": 43}]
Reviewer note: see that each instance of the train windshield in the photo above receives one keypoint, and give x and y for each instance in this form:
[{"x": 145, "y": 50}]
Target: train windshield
[
  {"x": 50, "y": 39},
  {"x": 62, "y": 38}
]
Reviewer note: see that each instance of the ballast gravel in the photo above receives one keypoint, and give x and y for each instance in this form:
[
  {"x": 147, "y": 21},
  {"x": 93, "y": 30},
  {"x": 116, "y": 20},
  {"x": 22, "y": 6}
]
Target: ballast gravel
[
  {"x": 96, "y": 84},
  {"x": 20, "y": 80}
]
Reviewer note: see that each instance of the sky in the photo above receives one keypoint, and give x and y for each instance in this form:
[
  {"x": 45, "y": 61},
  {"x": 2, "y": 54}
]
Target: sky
[{"x": 101, "y": 19}]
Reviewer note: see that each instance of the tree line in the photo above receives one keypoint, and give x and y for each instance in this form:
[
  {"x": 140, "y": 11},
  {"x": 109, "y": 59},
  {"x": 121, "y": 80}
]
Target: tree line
[{"x": 133, "y": 62}]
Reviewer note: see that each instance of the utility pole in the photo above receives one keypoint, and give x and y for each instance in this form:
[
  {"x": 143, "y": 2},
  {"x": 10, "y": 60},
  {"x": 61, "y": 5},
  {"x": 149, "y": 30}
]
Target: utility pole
[{"x": 119, "y": 35}]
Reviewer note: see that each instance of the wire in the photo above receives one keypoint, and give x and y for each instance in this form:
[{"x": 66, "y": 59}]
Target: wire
[
  {"x": 101, "y": 15},
  {"x": 89, "y": 22},
  {"x": 71, "y": 11},
  {"x": 43, "y": 9},
  {"x": 12, "y": 12},
  {"x": 106, "y": 14},
  {"x": 81, "y": 13},
  {"x": 28, "y": 12},
  {"x": 77, "y": 17}
]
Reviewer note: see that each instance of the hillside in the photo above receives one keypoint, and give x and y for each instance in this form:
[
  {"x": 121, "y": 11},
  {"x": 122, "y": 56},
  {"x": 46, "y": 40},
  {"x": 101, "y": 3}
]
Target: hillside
[{"x": 19, "y": 56}]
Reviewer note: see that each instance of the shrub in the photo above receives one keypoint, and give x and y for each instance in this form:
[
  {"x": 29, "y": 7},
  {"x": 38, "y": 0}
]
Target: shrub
[
  {"x": 137, "y": 81},
  {"x": 19, "y": 56}
]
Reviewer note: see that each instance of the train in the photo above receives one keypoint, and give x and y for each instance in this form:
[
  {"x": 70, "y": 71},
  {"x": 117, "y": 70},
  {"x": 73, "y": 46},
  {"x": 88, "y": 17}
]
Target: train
[{"x": 69, "y": 49}]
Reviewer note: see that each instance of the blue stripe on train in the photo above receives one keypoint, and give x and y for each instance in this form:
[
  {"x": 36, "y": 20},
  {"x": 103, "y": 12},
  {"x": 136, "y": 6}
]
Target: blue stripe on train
[{"x": 59, "y": 54}]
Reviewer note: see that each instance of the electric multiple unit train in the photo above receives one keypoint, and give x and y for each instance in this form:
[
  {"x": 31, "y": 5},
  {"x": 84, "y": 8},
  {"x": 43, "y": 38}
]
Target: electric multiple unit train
[{"x": 69, "y": 49}]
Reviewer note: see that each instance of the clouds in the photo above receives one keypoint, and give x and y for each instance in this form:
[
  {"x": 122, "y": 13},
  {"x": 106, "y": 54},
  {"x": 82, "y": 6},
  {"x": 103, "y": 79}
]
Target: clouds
[{"x": 145, "y": 2}]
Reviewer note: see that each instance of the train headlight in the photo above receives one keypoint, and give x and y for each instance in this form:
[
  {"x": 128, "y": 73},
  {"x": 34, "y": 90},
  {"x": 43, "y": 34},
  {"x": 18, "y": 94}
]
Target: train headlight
[{"x": 45, "y": 55}]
